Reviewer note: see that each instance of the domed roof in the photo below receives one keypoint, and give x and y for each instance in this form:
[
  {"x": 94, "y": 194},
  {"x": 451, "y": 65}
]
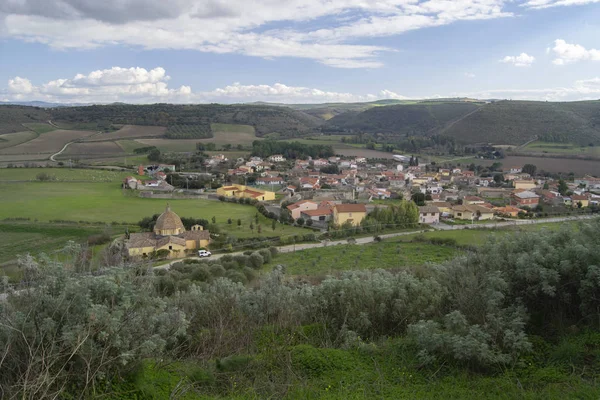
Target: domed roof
[{"x": 169, "y": 222}]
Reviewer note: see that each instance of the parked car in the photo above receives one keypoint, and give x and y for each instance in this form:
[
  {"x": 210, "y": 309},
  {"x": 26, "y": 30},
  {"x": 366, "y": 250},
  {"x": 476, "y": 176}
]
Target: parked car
[{"x": 204, "y": 253}]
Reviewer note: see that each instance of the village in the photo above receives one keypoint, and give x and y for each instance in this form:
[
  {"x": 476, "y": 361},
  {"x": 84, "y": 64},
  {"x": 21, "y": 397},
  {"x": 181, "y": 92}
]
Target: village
[{"x": 326, "y": 193}]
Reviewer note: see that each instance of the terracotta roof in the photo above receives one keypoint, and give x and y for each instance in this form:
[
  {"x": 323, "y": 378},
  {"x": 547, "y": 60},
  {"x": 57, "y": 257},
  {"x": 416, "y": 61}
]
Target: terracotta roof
[
  {"x": 298, "y": 204},
  {"x": 578, "y": 197},
  {"x": 318, "y": 212},
  {"x": 473, "y": 198},
  {"x": 229, "y": 188},
  {"x": 138, "y": 240},
  {"x": 168, "y": 221},
  {"x": 170, "y": 240},
  {"x": 345, "y": 208},
  {"x": 429, "y": 209},
  {"x": 441, "y": 204}
]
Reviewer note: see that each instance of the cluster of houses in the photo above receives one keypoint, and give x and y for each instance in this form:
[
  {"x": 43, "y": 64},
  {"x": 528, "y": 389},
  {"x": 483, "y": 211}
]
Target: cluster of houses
[
  {"x": 157, "y": 182},
  {"x": 449, "y": 193}
]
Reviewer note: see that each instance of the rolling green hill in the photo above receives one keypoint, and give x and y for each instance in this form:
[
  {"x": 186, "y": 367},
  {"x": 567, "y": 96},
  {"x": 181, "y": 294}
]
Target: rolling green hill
[
  {"x": 12, "y": 118},
  {"x": 405, "y": 119},
  {"x": 265, "y": 119},
  {"x": 516, "y": 122},
  {"x": 466, "y": 120},
  {"x": 502, "y": 122}
]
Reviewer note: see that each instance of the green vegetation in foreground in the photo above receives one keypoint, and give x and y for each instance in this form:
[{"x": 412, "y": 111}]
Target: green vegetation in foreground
[
  {"x": 515, "y": 319},
  {"x": 388, "y": 370},
  {"x": 40, "y": 128},
  {"x": 561, "y": 148}
]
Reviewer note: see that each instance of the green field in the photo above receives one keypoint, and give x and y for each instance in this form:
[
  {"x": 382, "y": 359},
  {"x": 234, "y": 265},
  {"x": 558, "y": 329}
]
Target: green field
[
  {"x": 129, "y": 146},
  {"x": 400, "y": 252},
  {"x": 20, "y": 238},
  {"x": 78, "y": 126},
  {"x": 39, "y": 128},
  {"x": 102, "y": 200},
  {"x": 561, "y": 148},
  {"x": 13, "y": 139},
  {"x": 389, "y": 254},
  {"x": 62, "y": 174}
]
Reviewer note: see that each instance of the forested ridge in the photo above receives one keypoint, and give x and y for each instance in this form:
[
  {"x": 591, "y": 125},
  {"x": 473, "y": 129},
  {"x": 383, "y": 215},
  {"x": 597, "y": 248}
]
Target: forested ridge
[
  {"x": 518, "y": 317},
  {"x": 467, "y": 122},
  {"x": 501, "y": 122}
]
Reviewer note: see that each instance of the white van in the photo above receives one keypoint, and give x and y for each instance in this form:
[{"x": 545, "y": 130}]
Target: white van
[{"x": 204, "y": 253}]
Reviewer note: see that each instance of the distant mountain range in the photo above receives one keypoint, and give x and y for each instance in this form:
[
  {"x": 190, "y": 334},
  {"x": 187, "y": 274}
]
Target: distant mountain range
[{"x": 469, "y": 121}]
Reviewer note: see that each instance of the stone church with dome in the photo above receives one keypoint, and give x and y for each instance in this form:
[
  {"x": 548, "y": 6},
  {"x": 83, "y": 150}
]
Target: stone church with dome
[{"x": 168, "y": 234}]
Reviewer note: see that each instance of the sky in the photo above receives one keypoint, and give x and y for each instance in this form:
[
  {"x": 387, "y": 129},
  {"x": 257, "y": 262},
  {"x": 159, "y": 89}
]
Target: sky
[{"x": 297, "y": 51}]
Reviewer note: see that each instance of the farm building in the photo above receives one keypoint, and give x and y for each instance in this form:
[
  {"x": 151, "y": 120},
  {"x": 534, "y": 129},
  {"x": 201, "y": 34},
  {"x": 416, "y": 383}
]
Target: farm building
[{"x": 169, "y": 235}]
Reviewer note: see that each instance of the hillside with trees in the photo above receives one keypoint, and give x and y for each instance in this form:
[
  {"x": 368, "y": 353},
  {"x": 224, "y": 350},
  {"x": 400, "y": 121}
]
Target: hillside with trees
[
  {"x": 282, "y": 120},
  {"x": 516, "y": 122},
  {"x": 12, "y": 117},
  {"x": 502, "y": 122},
  {"x": 400, "y": 120}
]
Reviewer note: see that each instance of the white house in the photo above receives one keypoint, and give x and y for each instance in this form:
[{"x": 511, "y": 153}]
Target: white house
[
  {"x": 277, "y": 158},
  {"x": 429, "y": 215}
]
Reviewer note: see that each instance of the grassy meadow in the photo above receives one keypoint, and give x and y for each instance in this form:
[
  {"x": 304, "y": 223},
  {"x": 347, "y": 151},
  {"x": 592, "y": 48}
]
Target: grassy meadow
[
  {"x": 561, "y": 148},
  {"x": 40, "y": 128},
  {"x": 13, "y": 139},
  {"x": 101, "y": 199},
  {"x": 389, "y": 254}
]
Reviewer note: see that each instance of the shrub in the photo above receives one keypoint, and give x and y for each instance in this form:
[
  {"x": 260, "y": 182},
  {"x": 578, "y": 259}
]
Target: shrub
[
  {"x": 236, "y": 276},
  {"x": 256, "y": 260},
  {"x": 101, "y": 238},
  {"x": 217, "y": 270},
  {"x": 266, "y": 255}
]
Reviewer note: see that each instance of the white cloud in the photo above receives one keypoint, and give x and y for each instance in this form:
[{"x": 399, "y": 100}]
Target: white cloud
[
  {"x": 322, "y": 30},
  {"x": 567, "y": 53},
  {"x": 388, "y": 94},
  {"x": 114, "y": 84},
  {"x": 469, "y": 75},
  {"x": 586, "y": 89},
  {"x": 20, "y": 85},
  {"x": 139, "y": 85},
  {"x": 522, "y": 60},
  {"x": 540, "y": 4}
]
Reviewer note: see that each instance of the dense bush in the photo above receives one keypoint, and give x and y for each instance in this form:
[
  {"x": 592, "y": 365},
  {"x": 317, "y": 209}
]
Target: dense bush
[{"x": 479, "y": 310}]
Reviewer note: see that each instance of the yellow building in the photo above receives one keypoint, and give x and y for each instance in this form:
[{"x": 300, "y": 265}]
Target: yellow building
[
  {"x": 524, "y": 184},
  {"x": 169, "y": 234},
  {"x": 584, "y": 200},
  {"x": 242, "y": 191},
  {"x": 472, "y": 212},
  {"x": 352, "y": 213}
]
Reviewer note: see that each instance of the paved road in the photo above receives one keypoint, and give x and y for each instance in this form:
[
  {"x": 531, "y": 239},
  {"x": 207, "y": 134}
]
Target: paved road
[
  {"x": 444, "y": 227},
  {"x": 370, "y": 239},
  {"x": 300, "y": 246}
]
